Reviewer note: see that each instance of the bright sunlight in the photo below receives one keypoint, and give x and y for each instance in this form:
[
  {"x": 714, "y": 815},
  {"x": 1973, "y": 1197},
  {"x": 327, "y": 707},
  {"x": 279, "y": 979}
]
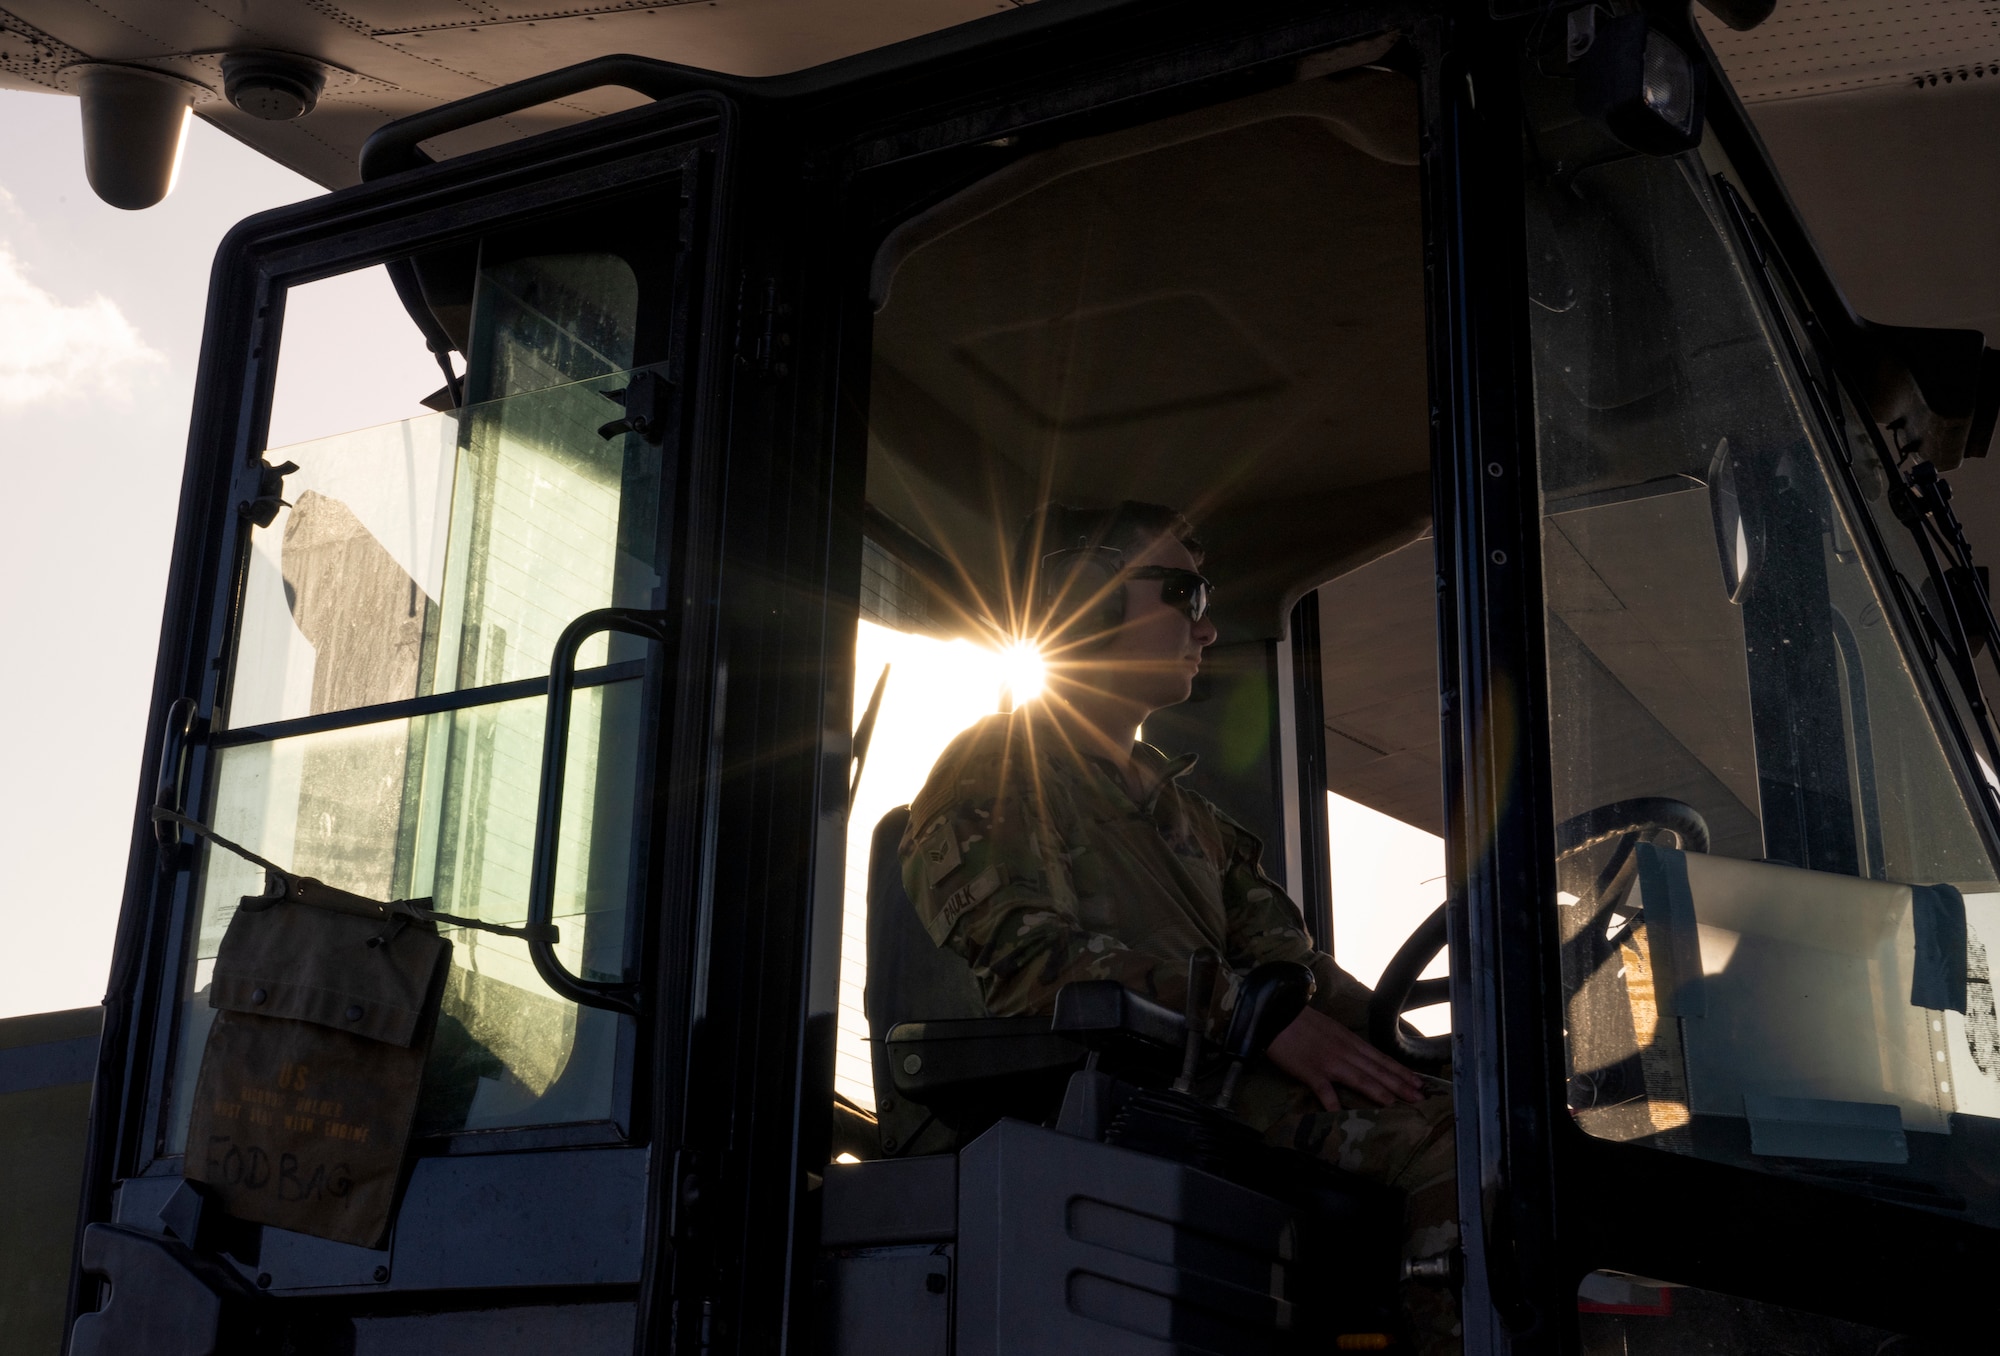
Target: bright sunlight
[
  {"x": 1386, "y": 875},
  {"x": 936, "y": 688}
]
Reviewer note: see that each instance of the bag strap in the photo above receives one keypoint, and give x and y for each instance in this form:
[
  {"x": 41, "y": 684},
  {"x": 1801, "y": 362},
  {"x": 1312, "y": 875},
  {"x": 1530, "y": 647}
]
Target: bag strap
[{"x": 281, "y": 885}]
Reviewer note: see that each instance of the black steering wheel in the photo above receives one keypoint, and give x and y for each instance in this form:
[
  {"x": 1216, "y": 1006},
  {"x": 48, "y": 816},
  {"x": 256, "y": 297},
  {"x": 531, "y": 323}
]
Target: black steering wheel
[
  {"x": 1632, "y": 818},
  {"x": 1400, "y": 988},
  {"x": 1630, "y": 822}
]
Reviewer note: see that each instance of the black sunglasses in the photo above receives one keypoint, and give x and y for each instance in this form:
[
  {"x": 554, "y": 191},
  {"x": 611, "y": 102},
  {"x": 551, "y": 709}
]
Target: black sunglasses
[{"x": 1181, "y": 589}]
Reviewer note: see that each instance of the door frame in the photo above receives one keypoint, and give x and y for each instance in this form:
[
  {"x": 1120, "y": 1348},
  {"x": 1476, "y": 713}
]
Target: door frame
[
  {"x": 920, "y": 142},
  {"x": 686, "y": 139},
  {"x": 1535, "y": 1209}
]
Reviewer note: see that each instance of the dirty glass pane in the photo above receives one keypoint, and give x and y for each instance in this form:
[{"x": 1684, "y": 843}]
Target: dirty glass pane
[
  {"x": 342, "y": 584},
  {"x": 443, "y": 807},
  {"x": 449, "y": 551},
  {"x": 1774, "y": 897},
  {"x": 425, "y": 531},
  {"x": 443, "y": 553},
  {"x": 549, "y": 320}
]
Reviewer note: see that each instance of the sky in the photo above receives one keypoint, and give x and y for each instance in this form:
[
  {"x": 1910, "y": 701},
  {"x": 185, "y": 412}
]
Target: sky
[{"x": 100, "y": 330}]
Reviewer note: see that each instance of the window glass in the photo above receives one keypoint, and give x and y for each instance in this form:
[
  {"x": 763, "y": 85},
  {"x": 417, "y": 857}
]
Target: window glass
[
  {"x": 342, "y": 585},
  {"x": 349, "y": 358},
  {"x": 1767, "y": 861},
  {"x": 440, "y": 557},
  {"x": 449, "y": 551},
  {"x": 1384, "y": 765},
  {"x": 1388, "y": 877},
  {"x": 442, "y": 807}
]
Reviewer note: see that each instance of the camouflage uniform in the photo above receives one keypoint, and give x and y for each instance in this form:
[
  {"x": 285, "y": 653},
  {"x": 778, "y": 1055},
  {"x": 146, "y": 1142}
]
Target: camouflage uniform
[{"x": 1034, "y": 863}]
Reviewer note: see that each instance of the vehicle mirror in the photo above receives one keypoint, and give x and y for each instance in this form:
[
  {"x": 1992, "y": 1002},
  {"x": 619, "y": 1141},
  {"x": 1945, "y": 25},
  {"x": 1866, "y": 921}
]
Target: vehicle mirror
[
  {"x": 436, "y": 289},
  {"x": 1939, "y": 387},
  {"x": 1739, "y": 540},
  {"x": 1986, "y": 406},
  {"x": 1636, "y": 81}
]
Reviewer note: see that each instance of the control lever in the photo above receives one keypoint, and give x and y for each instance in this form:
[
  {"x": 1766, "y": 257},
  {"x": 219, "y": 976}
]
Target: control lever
[
  {"x": 1272, "y": 997},
  {"x": 1203, "y": 967}
]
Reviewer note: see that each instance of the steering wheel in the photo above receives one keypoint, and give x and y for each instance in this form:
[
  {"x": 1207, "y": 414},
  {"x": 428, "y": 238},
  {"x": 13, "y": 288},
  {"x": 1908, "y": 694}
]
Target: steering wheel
[
  {"x": 1630, "y": 822},
  {"x": 1632, "y": 818},
  {"x": 1400, "y": 989}
]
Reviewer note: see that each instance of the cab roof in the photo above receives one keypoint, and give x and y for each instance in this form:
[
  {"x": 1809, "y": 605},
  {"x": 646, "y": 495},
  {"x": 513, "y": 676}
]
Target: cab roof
[{"x": 1880, "y": 113}]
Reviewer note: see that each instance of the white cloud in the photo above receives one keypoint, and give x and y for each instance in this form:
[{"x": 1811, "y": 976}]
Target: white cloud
[{"x": 51, "y": 350}]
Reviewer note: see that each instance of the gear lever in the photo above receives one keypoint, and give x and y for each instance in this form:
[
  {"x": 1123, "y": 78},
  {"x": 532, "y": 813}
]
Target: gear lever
[
  {"x": 1203, "y": 966},
  {"x": 1272, "y": 997}
]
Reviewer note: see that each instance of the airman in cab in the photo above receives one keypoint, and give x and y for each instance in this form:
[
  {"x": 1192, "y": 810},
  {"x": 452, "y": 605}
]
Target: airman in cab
[{"x": 1049, "y": 845}]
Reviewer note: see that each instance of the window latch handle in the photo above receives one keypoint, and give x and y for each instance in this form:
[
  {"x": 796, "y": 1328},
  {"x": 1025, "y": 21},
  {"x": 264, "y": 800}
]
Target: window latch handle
[{"x": 184, "y": 727}]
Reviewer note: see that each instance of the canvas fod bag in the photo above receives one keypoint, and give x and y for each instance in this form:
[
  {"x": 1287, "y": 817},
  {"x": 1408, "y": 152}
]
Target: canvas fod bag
[
  {"x": 326, "y": 1005},
  {"x": 308, "y": 1085}
]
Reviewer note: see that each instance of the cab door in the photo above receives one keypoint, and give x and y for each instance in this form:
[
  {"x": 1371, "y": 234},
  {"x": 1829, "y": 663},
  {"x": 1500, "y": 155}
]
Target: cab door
[
  {"x": 1720, "y": 786},
  {"x": 448, "y": 645}
]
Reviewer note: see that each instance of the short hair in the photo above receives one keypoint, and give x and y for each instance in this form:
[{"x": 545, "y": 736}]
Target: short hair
[{"x": 1128, "y": 527}]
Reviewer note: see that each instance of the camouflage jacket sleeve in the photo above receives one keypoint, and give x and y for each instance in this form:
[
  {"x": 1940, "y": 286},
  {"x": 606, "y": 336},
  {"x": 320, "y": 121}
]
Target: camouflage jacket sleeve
[
  {"x": 1265, "y": 925},
  {"x": 983, "y": 861}
]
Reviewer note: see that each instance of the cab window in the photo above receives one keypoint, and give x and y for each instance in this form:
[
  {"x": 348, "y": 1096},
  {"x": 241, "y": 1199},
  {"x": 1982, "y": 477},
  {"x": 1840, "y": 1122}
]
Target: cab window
[
  {"x": 1378, "y": 684},
  {"x": 1221, "y": 312},
  {"x": 1774, "y": 897},
  {"x": 406, "y": 585}
]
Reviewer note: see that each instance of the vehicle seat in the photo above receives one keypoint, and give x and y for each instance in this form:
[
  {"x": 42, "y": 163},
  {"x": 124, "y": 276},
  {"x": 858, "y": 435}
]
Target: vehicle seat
[
  {"x": 909, "y": 979},
  {"x": 1264, "y": 1250},
  {"x": 944, "y": 1070}
]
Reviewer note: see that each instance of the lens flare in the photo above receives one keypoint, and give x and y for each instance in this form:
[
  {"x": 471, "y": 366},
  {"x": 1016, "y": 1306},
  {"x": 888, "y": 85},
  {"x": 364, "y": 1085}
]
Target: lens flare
[
  {"x": 936, "y": 688},
  {"x": 1022, "y": 671}
]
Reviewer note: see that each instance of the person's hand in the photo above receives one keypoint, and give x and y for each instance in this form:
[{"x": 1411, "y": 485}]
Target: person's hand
[{"x": 1323, "y": 1055}]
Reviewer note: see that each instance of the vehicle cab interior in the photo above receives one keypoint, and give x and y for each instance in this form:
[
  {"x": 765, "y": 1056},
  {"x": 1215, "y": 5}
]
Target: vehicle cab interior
[
  {"x": 1108, "y": 320},
  {"x": 1598, "y": 666},
  {"x": 1126, "y": 317}
]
